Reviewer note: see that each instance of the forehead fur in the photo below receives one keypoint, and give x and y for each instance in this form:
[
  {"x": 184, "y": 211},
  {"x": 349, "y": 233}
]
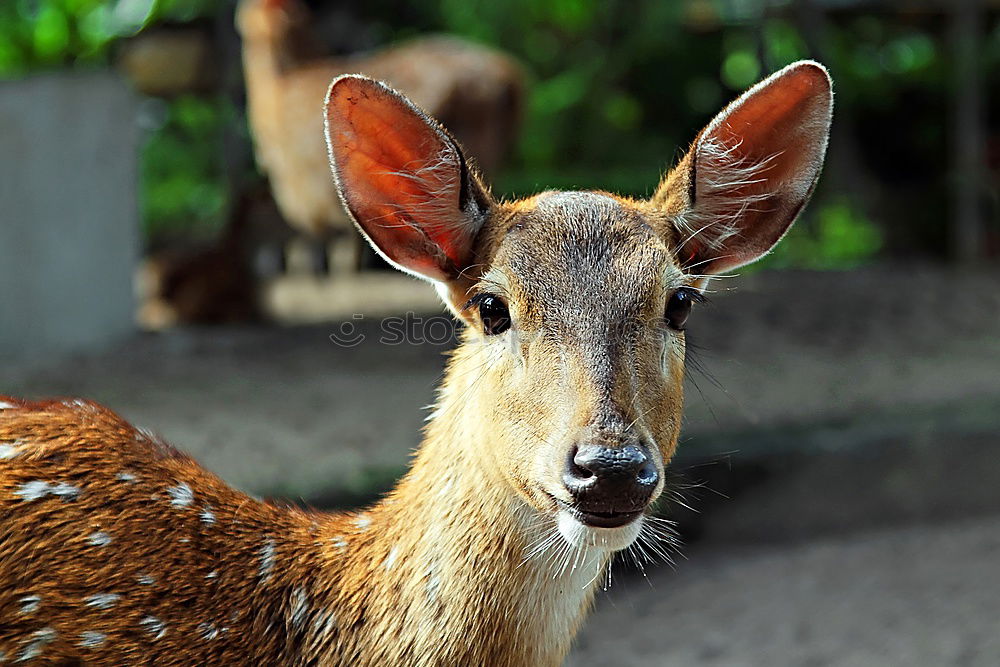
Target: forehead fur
[{"x": 564, "y": 250}]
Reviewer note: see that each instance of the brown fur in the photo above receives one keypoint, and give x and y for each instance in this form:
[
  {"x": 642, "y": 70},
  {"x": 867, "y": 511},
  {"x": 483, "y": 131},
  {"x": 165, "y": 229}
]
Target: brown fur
[
  {"x": 467, "y": 561},
  {"x": 333, "y": 567}
]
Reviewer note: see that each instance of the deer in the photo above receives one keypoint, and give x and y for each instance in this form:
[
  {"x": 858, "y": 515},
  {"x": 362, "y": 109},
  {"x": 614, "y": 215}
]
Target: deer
[
  {"x": 547, "y": 446},
  {"x": 476, "y": 90}
]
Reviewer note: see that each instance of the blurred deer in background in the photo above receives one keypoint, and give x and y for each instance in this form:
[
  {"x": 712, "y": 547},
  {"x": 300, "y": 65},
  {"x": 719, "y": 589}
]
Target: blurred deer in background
[
  {"x": 474, "y": 90},
  {"x": 542, "y": 457}
]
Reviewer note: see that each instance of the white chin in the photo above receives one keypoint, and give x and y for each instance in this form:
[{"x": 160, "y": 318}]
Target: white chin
[{"x": 611, "y": 539}]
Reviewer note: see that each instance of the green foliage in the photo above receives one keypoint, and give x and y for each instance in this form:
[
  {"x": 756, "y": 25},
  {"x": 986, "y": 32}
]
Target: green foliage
[
  {"x": 839, "y": 237},
  {"x": 38, "y": 34},
  {"x": 740, "y": 66},
  {"x": 183, "y": 189}
]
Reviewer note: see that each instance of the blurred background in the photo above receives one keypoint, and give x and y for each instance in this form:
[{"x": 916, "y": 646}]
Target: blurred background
[{"x": 170, "y": 244}]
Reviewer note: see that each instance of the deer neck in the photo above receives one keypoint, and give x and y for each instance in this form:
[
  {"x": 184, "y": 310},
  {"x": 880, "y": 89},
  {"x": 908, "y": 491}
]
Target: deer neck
[
  {"x": 264, "y": 60},
  {"x": 451, "y": 559}
]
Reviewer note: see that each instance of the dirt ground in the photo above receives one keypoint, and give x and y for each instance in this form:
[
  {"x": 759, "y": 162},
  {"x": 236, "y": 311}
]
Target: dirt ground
[
  {"x": 287, "y": 411},
  {"x": 922, "y": 596}
]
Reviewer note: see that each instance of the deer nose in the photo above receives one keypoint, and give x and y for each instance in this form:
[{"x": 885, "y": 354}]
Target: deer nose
[{"x": 610, "y": 479}]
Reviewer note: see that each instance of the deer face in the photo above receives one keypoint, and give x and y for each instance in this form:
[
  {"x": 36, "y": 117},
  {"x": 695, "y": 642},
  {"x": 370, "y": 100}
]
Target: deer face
[
  {"x": 577, "y": 301},
  {"x": 570, "y": 317}
]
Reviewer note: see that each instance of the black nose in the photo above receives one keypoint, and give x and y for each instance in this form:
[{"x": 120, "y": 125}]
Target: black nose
[{"x": 611, "y": 479}]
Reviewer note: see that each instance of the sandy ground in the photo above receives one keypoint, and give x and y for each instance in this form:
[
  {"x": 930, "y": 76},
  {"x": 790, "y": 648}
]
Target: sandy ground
[{"x": 923, "y": 596}]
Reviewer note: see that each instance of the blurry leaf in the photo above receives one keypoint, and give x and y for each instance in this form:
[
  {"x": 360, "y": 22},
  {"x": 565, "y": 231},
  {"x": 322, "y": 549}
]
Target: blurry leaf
[
  {"x": 783, "y": 42},
  {"x": 559, "y": 92},
  {"x": 573, "y": 15},
  {"x": 622, "y": 111},
  {"x": 740, "y": 69},
  {"x": 51, "y": 32},
  {"x": 95, "y": 27},
  {"x": 846, "y": 236},
  {"x": 908, "y": 53},
  {"x": 11, "y": 59},
  {"x": 838, "y": 236}
]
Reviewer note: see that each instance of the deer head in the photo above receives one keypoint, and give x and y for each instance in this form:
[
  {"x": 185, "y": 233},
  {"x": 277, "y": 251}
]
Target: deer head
[{"x": 569, "y": 378}]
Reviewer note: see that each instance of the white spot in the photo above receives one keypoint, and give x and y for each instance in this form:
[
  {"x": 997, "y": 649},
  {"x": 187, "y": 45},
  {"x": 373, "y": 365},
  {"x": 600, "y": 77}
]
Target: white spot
[
  {"x": 32, "y": 490},
  {"x": 64, "y": 490},
  {"x": 154, "y": 626},
  {"x": 184, "y": 540},
  {"x": 338, "y": 541},
  {"x": 146, "y": 579},
  {"x": 37, "y": 489},
  {"x": 8, "y": 450},
  {"x": 38, "y": 640},
  {"x": 102, "y": 600},
  {"x": 266, "y": 559},
  {"x": 30, "y": 604},
  {"x": 125, "y": 476},
  {"x": 212, "y": 575},
  {"x": 299, "y": 608},
  {"x": 99, "y": 539},
  {"x": 208, "y": 630},
  {"x": 362, "y": 522},
  {"x": 91, "y": 639},
  {"x": 181, "y": 495},
  {"x": 207, "y": 516},
  {"x": 4, "y": 405},
  {"x": 390, "y": 560}
]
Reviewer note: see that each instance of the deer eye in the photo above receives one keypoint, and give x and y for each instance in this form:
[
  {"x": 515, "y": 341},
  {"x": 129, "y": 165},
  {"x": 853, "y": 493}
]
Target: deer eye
[
  {"x": 679, "y": 307},
  {"x": 493, "y": 312}
]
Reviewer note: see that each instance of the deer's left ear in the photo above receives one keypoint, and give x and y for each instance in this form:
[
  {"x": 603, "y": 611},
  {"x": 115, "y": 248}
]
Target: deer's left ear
[
  {"x": 751, "y": 171},
  {"x": 404, "y": 180}
]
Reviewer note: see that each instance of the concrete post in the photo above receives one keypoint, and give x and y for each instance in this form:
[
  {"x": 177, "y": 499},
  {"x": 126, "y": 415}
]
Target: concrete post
[{"x": 69, "y": 224}]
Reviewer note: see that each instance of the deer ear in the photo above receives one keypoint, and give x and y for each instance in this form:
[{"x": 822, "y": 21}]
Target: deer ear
[
  {"x": 403, "y": 179},
  {"x": 752, "y": 170}
]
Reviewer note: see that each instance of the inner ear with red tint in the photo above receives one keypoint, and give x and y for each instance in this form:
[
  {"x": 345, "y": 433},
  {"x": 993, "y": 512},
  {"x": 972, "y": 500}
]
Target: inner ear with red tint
[
  {"x": 403, "y": 179},
  {"x": 753, "y": 168}
]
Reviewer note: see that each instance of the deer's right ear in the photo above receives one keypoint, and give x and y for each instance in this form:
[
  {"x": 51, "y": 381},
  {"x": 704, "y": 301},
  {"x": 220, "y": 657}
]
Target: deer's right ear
[{"x": 403, "y": 179}]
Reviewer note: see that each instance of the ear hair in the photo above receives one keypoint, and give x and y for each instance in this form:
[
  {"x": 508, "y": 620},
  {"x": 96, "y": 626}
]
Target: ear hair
[
  {"x": 750, "y": 171},
  {"x": 722, "y": 178}
]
